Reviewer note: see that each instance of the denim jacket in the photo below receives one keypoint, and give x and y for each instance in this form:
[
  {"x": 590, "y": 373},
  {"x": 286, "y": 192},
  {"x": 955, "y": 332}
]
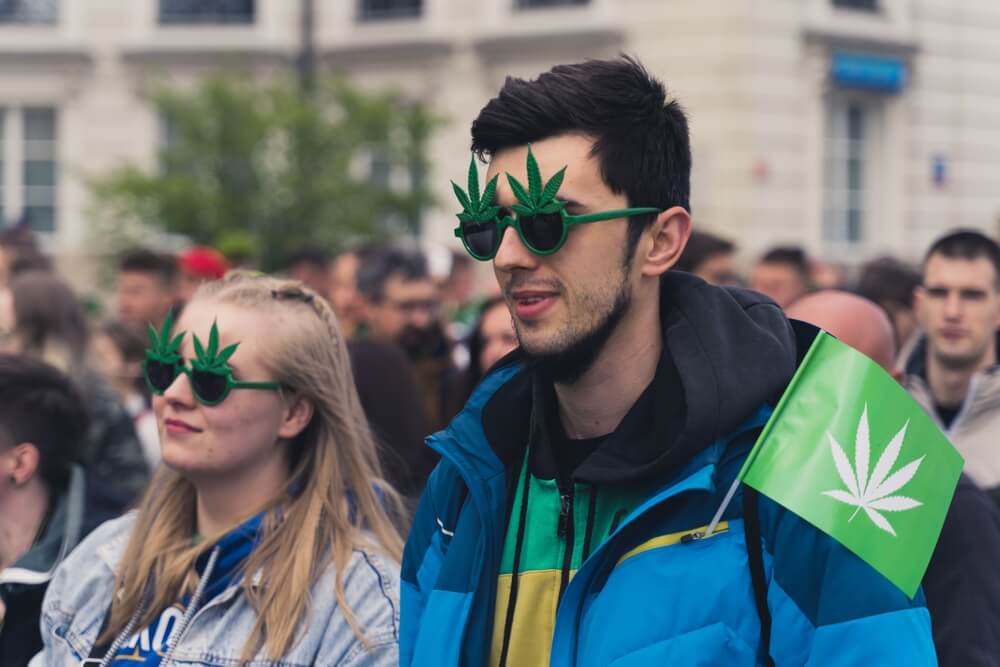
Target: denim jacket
[{"x": 80, "y": 593}]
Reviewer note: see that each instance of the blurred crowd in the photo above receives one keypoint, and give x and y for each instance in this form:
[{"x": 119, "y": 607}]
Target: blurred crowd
[{"x": 422, "y": 328}]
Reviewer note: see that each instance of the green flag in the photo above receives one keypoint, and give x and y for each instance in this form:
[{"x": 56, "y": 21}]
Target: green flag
[{"x": 850, "y": 452}]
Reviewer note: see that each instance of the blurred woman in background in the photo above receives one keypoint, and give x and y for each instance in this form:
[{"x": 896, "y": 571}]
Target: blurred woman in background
[
  {"x": 40, "y": 316},
  {"x": 117, "y": 351}
]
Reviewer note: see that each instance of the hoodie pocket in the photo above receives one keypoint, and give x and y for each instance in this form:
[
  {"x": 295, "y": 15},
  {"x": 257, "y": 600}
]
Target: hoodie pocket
[{"x": 709, "y": 646}]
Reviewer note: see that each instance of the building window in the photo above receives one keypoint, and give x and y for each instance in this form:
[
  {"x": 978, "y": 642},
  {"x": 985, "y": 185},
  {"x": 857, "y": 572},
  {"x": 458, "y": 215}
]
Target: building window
[
  {"x": 39, "y": 12},
  {"x": 377, "y": 10},
  {"x": 205, "y": 12},
  {"x": 539, "y": 4},
  {"x": 39, "y": 176},
  {"x": 859, "y": 5},
  {"x": 849, "y": 173}
]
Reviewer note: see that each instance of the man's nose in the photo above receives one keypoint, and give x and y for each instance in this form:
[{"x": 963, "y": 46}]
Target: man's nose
[
  {"x": 512, "y": 254},
  {"x": 953, "y": 304}
]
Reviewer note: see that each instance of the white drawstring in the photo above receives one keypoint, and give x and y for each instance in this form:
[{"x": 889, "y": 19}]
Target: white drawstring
[{"x": 192, "y": 607}]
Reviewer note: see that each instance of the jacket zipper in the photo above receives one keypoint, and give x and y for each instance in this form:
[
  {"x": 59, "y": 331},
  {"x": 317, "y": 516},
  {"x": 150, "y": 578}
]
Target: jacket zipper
[{"x": 565, "y": 530}]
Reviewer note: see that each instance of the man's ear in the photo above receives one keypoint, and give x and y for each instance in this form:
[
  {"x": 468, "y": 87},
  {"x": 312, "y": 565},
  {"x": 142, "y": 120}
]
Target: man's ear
[
  {"x": 298, "y": 413},
  {"x": 664, "y": 241},
  {"x": 22, "y": 463}
]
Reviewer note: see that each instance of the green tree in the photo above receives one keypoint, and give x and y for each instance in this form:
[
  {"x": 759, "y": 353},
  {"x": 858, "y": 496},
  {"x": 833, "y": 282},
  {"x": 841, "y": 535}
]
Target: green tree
[{"x": 257, "y": 167}]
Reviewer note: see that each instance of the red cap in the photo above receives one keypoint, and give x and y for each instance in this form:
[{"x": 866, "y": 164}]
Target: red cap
[{"x": 203, "y": 262}]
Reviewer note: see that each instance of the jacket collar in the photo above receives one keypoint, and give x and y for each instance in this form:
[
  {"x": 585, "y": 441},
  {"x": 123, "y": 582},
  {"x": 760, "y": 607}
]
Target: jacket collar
[{"x": 726, "y": 352}]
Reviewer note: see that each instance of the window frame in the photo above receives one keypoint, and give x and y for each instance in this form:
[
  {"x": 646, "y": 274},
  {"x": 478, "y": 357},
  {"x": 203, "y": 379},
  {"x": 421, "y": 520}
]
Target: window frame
[
  {"x": 196, "y": 19},
  {"x": 366, "y": 14}
]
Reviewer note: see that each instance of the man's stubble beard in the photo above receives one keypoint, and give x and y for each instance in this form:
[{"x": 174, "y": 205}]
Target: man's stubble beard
[{"x": 576, "y": 351}]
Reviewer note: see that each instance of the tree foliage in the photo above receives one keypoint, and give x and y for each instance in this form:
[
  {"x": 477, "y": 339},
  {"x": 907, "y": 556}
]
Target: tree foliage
[{"x": 260, "y": 168}]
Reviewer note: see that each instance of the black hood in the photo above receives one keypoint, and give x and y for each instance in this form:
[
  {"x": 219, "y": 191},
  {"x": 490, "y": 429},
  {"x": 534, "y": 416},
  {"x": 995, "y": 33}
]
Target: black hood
[{"x": 727, "y": 351}]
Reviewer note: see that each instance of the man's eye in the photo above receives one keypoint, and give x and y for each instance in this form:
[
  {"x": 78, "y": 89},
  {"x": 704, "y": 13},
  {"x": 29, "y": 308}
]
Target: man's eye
[
  {"x": 972, "y": 295},
  {"x": 937, "y": 292}
]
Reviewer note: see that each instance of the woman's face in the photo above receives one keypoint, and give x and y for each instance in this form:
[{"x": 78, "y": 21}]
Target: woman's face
[
  {"x": 496, "y": 335},
  {"x": 246, "y": 432},
  {"x": 7, "y": 318}
]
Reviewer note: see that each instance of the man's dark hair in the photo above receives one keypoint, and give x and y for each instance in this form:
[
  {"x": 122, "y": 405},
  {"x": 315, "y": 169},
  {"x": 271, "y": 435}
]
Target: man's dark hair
[
  {"x": 791, "y": 256},
  {"x": 314, "y": 256},
  {"x": 161, "y": 266},
  {"x": 888, "y": 282},
  {"x": 38, "y": 404},
  {"x": 377, "y": 266},
  {"x": 967, "y": 244},
  {"x": 641, "y": 140},
  {"x": 701, "y": 247}
]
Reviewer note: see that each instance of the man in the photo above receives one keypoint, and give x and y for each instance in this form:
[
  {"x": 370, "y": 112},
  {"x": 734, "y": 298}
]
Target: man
[
  {"x": 953, "y": 373},
  {"x": 853, "y": 319},
  {"x": 782, "y": 274},
  {"x": 403, "y": 306},
  {"x": 147, "y": 288},
  {"x": 962, "y": 583},
  {"x": 344, "y": 297},
  {"x": 891, "y": 284},
  {"x": 563, "y": 524},
  {"x": 46, "y": 506},
  {"x": 711, "y": 258},
  {"x": 311, "y": 265}
]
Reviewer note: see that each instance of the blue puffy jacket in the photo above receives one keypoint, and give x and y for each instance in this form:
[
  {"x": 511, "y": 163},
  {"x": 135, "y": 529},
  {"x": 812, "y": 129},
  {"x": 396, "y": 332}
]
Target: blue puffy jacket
[{"x": 649, "y": 595}]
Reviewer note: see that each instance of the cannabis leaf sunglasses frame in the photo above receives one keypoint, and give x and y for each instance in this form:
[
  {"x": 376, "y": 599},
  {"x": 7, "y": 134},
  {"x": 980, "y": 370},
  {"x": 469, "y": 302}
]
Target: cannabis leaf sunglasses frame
[
  {"x": 535, "y": 217},
  {"x": 210, "y": 374}
]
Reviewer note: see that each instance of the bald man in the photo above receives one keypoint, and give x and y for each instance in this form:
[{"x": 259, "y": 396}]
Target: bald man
[
  {"x": 961, "y": 585},
  {"x": 853, "y": 319}
]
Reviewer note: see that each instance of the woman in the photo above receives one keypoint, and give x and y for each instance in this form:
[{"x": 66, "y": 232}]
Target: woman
[
  {"x": 41, "y": 317},
  {"x": 491, "y": 339},
  {"x": 264, "y": 537},
  {"x": 117, "y": 351}
]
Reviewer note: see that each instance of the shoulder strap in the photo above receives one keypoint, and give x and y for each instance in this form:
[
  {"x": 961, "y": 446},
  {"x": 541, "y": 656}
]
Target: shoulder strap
[{"x": 755, "y": 555}]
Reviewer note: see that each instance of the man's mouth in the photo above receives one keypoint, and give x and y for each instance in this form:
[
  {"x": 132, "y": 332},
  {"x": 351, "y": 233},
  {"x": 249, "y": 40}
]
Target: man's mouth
[{"x": 531, "y": 304}]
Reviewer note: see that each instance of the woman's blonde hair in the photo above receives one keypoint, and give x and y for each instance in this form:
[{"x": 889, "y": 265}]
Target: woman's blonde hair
[{"x": 334, "y": 500}]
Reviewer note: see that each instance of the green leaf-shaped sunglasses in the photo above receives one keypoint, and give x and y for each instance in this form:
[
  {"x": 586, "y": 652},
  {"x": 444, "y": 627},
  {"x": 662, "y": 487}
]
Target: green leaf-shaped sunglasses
[
  {"x": 540, "y": 219},
  {"x": 210, "y": 374}
]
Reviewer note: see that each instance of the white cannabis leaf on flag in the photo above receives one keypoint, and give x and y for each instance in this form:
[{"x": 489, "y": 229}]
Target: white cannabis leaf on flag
[{"x": 872, "y": 494}]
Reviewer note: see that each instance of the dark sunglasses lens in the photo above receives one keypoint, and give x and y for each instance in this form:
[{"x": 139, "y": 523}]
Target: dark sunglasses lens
[
  {"x": 210, "y": 387},
  {"x": 160, "y": 375},
  {"x": 543, "y": 232},
  {"x": 481, "y": 238}
]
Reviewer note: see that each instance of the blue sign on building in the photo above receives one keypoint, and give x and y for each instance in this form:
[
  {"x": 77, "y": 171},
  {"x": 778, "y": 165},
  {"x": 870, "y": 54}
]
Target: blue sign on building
[{"x": 868, "y": 72}]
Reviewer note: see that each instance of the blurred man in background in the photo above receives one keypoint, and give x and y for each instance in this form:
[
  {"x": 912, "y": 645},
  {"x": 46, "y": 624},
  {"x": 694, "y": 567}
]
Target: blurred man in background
[
  {"x": 403, "y": 305},
  {"x": 782, "y": 273},
  {"x": 311, "y": 265},
  {"x": 891, "y": 283},
  {"x": 46, "y": 505},
  {"x": 711, "y": 258},
  {"x": 953, "y": 372},
  {"x": 962, "y": 584},
  {"x": 853, "y": 319},
  {"x": 344, "y": 297},
  {"x": 147, "y": 288}
]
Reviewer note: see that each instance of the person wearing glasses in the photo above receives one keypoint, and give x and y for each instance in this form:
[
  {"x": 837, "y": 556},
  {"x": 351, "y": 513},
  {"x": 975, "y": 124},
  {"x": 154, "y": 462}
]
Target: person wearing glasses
[
  {"x": 565, "y": 524},
  {"x": 266, "y": 536}
]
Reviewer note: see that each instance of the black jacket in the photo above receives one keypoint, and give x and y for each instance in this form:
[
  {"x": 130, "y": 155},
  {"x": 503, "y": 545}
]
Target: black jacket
[{"x": 76, "y": 511}]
